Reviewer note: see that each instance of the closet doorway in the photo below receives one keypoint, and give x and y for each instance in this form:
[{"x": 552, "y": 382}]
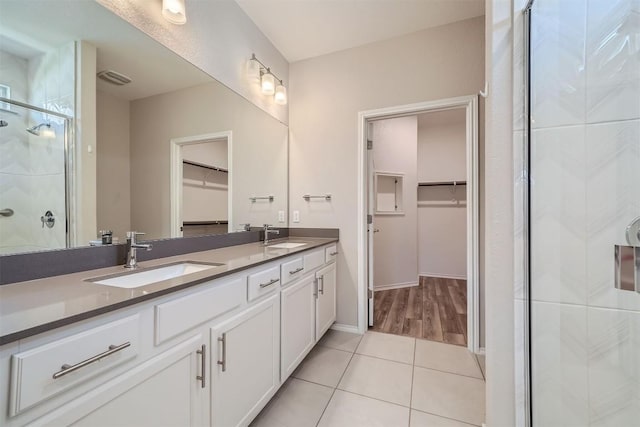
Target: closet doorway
[
  {"x": 420, "y": 208},
  {"x": 201, "y": 185}
]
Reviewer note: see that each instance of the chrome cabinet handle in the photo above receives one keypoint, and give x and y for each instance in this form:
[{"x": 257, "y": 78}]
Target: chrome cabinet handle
[
  {"x": 315, "y": 288},
  {"x": 67, "y": 369},
  {"x": 297, "y": 270},
  {"x": 269, "y": 283},
  {"x": 6, "y": 212},
  {"x": 203, "y": 366},
  {"x": 333, "y": 253},
  {"x": 321, "y": 290},
  {"x": 223, "y": 362}
]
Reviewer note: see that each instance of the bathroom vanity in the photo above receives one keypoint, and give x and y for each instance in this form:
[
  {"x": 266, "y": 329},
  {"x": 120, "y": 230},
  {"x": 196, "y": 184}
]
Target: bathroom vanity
[{"x": 208, "y": 347}]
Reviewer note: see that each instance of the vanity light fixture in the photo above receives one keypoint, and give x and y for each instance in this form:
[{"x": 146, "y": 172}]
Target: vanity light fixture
[
  {"x": 174, "y": 11},
  {"x": 270, "y": 84},
  {"x": 280, "y": 96}
]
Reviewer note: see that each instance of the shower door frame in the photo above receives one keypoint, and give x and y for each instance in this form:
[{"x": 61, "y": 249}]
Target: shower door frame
[{"x": 68, "y": 162}]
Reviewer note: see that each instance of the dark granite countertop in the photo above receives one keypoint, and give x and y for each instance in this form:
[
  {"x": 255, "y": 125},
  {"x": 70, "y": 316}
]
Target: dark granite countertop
[{"x": 35, "y": 306}]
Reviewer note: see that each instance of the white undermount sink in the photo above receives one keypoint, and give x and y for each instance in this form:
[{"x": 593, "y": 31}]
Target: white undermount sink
[
  {"x": 286, "y": 245},
  {"x": 147, "y": 276}
]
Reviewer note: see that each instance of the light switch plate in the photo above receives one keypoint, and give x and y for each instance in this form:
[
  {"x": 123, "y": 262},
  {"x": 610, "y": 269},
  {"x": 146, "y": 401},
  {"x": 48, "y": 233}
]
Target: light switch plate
[
  {"x": 280, "y": 216},
  {"x": 296, "y": 216}
]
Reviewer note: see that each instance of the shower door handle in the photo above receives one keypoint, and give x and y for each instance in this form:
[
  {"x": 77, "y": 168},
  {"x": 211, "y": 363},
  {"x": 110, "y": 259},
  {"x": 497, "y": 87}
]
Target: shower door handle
[{"x": 627, "y": 268}]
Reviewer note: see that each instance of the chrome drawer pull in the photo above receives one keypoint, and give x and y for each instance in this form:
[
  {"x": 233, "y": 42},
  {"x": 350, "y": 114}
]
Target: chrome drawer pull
[
  {"x": 67, "y": 369},
  {"x": 223, "y": 362},
  {"x": 333, "y": 253},
  {"x": 297, "y": 270},
  {"x": 269, "y": 283},
  {"x": 203, "y": 377}
]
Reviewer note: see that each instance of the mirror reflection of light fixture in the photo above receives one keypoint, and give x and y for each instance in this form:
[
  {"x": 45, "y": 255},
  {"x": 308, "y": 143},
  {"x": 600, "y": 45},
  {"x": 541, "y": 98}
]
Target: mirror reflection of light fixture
[
  {"x": 280, "y": 96},
  {"x": 270, "y": 84},
  {"x": 174, "y": 11},
  {"x": 43, "y": 129}
]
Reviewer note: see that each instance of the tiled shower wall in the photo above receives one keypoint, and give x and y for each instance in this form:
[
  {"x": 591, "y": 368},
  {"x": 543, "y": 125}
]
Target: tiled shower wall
[
  {"x": 585, "y": 175},
  {"x": 32, "y": 177}
]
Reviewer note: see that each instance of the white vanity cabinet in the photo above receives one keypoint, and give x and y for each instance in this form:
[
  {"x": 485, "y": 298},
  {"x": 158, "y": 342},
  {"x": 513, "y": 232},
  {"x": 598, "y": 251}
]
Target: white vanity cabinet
[
  {"x": 298, "y": 323},
  {"x": 213, "y": 354},
  {"x": 245, "y": 363},
  {"x": 168, "y": 389},
  {"x": 326, "y": 299},
  {"x": 308, "y": 309}
]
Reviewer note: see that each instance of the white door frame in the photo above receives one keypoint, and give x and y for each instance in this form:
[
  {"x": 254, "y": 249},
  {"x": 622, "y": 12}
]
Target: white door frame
[
  {"x": 176, "y": 175},
  {"x": 470, "y": 104}
]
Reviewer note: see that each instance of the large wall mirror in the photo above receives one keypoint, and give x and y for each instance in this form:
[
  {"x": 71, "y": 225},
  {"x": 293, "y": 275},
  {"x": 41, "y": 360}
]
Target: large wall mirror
[{"x": 103, "y": 128}]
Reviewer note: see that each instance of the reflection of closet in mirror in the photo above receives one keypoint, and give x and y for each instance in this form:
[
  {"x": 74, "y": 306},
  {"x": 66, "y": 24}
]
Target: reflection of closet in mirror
[{"x": 205, "y": 188}]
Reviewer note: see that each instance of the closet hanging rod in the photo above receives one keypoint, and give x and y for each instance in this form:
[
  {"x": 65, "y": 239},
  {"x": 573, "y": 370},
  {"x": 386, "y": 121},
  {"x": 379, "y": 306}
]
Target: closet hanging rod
[
  {"x": 441, "y": 183},
  {"x": 200, "y": 165}
]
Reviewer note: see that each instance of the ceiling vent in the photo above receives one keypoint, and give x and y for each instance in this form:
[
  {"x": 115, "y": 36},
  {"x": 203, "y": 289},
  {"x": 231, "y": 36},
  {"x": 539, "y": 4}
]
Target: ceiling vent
[{"x": 114, "y": 77}]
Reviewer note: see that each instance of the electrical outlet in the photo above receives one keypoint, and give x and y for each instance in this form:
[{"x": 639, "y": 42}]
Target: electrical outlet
[
  {"x": 280, "y": 216},
  {"x": 296, "y": 216}
]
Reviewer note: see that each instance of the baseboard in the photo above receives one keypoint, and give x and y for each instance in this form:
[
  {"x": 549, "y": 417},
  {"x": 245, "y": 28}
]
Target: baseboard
[
  {"x": 395, "y": 286},
  {"x": 444, "y": 276},
  {"x": 481, "y": 351},
  {"x": 345, "y": 328}
]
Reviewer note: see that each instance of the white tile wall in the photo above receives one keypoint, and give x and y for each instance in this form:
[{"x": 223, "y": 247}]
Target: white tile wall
[
  {"x": 614, "y": 374},
  {"x": 613, "y": 60},
  {"x": 32, "y": 168},
  {"x": 558, "y": 63},
  {"x": 559, "y": 364},
  {"x": 585, "y": 191}
]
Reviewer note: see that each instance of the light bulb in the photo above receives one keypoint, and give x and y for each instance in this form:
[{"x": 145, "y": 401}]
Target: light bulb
[
  {"x": 174, "y": 11},
  {"x": 268, "y": 83},
  {"x": 253, "y": 70},
  {"x": 281, "y": 95}
]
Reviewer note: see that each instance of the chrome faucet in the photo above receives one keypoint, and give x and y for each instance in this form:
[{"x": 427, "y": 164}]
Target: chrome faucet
[
  {"x": 132, "y": 246},
  {"x": 268, "y": 229}
]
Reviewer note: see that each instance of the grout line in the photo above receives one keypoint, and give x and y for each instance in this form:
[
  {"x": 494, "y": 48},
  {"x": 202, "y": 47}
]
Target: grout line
[
  {"x": 334, "y": 390},
  {"x": 376, "y": 398},
  {"x": 453, "y": 373},
  {"x": 443, "y": 416},
  {"x": 413, "y": 371},
  {"x": 382, "y": 358}
]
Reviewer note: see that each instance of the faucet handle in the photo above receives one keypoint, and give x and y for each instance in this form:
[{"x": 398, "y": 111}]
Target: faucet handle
[{"x": 134, "y": 233}]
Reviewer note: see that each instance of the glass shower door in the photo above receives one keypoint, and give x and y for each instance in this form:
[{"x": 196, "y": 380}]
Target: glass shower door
[
  {"x": 584, "y": 192},
  {"x": 33, "y": 184}
]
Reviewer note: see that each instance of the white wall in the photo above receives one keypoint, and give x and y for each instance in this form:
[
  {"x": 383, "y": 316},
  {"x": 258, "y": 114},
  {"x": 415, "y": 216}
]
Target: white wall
[
  {"x": 437, "y": 63},
  {"x": 205, "y": 192},
  {"x": 395, "y": 245},
  {"x": 259, "y": 153},
  {"x": 113, "y": 180},
  {"x": 499, "y": 209},
  {"x": 218, "y": 38},
  {"x": 442, "y": 211}
]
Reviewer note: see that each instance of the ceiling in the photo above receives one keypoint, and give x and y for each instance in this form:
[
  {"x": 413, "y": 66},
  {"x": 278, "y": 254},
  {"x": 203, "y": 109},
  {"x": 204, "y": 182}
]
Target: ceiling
[
  {"x": 302, "y": 29},
  {"x": 28, "y": 31}
]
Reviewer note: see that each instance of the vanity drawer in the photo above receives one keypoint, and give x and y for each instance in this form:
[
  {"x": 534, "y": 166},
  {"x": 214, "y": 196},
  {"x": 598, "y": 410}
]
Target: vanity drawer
[
  {"x": 313, "y": 260},
  {"x": 291, "y": 270},
  {"x": 45, "y": 371},
  {"x": 263, "y": 282},
  {"x": 330, "y": 253},
  {"x": 181, "y": 314}
]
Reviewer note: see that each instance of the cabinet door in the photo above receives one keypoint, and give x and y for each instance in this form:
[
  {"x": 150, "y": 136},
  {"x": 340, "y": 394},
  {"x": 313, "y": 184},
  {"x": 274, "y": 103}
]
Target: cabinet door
[
  {"x": 163, "y": 391},
  {"x": 326, "y": 301},
  {"x": 245, "y": 363},
  {"x": 298, "y": 324}
]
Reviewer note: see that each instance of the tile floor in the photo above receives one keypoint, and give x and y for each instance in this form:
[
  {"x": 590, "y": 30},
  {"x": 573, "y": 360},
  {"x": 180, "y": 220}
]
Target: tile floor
[{"x": 381, "y": 380}]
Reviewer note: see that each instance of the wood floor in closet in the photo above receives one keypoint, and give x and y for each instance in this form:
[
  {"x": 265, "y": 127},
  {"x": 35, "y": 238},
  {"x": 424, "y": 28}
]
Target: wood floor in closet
[{"x": 435, "y": 310}]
